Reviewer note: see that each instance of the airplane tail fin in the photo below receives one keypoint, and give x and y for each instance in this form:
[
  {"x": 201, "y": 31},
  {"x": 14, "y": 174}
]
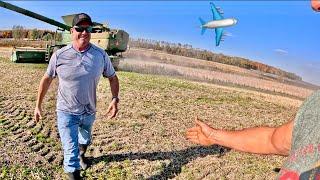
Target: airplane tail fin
[
  {"x": 202, "y": 21},
  {"x": 203, "y": 29}
]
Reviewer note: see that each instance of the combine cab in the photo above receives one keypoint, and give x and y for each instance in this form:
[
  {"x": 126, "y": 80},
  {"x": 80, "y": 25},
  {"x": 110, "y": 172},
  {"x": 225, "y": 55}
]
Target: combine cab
[{"x": 113, "y": 41}]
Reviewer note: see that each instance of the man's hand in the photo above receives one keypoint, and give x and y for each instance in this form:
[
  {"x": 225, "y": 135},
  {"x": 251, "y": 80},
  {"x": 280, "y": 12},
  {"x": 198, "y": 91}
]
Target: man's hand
[
  {"x": 37, "y": 114},
  {"x": 201, "y": 133},
  {"x": 113, "y": 106},
  {"x": 43, "y": 88},
  {"x": 112, "y": 109}
]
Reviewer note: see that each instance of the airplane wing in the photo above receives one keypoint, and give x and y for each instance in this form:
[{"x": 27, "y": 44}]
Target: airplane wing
[
  {"x": 216, "y": 14},
  {"x": 219, "y": 32}
]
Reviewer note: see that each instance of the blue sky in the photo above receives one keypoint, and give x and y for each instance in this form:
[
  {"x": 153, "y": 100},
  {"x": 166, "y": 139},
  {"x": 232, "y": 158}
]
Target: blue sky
[{"x": 279, "y": 33}]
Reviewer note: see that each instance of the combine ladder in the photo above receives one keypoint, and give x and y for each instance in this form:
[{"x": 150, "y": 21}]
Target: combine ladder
[{"x": 47, "y": 55}]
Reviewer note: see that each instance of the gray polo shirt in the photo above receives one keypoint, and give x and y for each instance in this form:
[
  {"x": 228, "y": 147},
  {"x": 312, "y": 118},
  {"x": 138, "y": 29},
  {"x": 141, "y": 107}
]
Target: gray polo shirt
[{"x": 79, "y": 74}]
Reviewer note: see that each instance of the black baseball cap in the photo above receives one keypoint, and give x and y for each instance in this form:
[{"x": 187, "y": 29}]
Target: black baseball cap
[{"x": 81, "y": 17}]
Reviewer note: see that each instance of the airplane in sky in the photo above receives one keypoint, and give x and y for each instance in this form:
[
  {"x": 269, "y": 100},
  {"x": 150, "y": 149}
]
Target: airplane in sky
[{"x": 217, "y": 23}]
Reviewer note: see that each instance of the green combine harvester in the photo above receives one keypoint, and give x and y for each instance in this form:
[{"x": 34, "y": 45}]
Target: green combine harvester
[
  {"x": 28, "y": 55},
  {"x": 113, "y": 41}
]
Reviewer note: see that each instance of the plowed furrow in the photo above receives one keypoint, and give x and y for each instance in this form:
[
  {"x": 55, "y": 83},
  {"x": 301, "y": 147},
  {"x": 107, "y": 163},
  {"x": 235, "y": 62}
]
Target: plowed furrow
[
  {"x": 50, "y": 157},
  {"x": 19, "y": 131},
  {"x": 37, "y": 147},
  {"x": 44, "y": 151},
  {"x": 32, "y": 143}
]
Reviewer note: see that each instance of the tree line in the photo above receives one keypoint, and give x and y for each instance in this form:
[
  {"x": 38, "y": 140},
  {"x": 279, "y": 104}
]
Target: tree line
[
  {"x": 188, "y": 51},
  {"x": 19, "y": 32}
]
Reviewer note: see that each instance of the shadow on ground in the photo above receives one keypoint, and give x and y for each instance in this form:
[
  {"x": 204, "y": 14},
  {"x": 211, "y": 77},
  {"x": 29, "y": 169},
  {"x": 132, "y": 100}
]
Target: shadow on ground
[{"x": 178, "y": 158}]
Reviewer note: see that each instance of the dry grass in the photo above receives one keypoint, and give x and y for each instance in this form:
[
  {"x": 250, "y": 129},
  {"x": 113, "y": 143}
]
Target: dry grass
[
  {"x": 160, "y": 57},
  {"x": 149, "y": 66},
  {"x": 5, "y": 52},
  {"x": 146, "y": 140}
]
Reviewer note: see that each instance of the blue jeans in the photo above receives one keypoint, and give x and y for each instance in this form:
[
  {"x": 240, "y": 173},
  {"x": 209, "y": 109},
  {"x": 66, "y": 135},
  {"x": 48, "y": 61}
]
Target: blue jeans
[{"x": 74, "y": 130}]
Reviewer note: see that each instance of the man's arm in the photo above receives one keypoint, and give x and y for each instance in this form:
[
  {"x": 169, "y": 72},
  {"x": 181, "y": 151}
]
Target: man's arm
[
  {"x": 114, "y": 86},
  {"x": 260, "y": 140},
  {"x": 43, "y": 88},
  {"x": 113, "y": 106}
]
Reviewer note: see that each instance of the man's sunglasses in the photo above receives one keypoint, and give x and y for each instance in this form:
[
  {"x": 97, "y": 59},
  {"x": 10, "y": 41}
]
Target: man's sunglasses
[{"x": 88, "y": 29}]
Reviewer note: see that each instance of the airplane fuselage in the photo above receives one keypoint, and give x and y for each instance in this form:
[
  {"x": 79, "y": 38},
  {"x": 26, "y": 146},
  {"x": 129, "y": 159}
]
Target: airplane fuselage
[{"x": 220, "y": 23}]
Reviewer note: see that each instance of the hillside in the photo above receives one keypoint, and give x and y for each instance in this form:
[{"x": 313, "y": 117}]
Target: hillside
[
  {"x": 188, "y": 51},
  {"x": 156, "y": 62}
]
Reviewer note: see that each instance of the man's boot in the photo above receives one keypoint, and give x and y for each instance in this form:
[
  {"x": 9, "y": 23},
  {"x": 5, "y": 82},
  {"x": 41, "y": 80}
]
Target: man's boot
[
  {"x": 83, "y": 149},
  {"x": 74, "y": 175}
]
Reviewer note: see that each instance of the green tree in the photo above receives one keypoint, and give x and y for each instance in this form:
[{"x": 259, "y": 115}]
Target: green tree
[
  {"x": 58, "y": 36},
  {"x": 47, "y": 37},
  {"x": 33, "y": 34}
]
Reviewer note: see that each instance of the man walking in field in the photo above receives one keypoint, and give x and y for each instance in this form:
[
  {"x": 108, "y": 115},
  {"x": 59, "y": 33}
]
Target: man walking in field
[
  {"x": 78, "y": 67},
  {"x": 299, "y": 139}
]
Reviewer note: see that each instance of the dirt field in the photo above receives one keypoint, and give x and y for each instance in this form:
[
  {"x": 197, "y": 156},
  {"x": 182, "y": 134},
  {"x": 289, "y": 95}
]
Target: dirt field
[
  {"x": 5, "y": 52},
  {"x": 146, "y": 140},
  {"x": 155, "y": 62}
]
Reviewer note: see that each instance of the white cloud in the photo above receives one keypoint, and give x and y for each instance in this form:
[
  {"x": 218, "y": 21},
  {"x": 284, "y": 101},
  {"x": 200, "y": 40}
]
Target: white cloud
[{"x": 281, "y": 51}]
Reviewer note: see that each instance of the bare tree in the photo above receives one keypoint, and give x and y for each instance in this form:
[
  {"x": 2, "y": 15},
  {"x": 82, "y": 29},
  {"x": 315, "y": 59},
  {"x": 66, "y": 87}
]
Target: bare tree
[{"x": 17, "y": 32}]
